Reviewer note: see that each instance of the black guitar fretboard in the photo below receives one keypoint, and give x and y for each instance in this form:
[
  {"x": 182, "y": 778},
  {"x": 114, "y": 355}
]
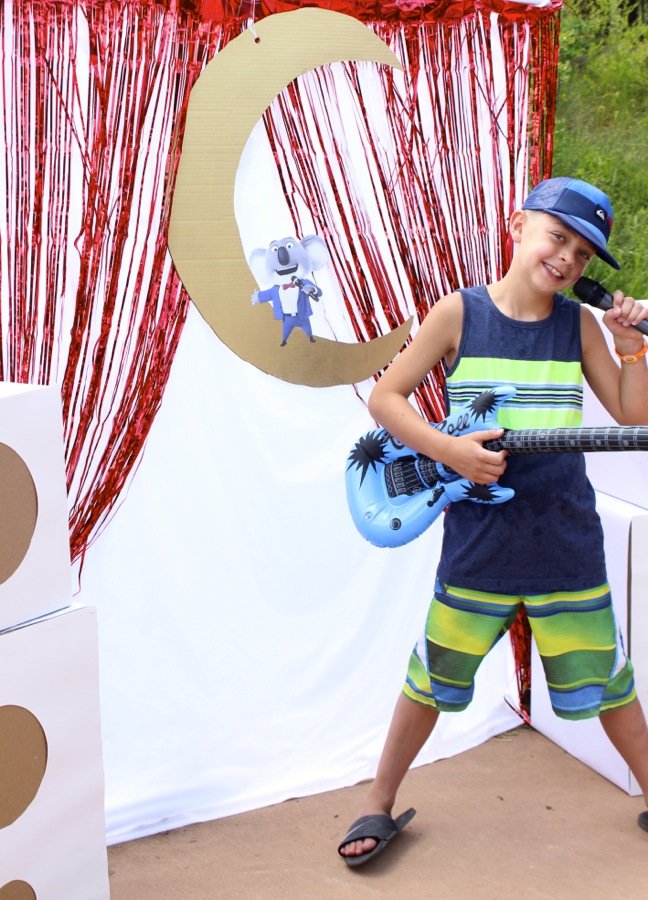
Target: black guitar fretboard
[
  {"x": 413, "y": 474},
  {"x": 572, "y": 440}
]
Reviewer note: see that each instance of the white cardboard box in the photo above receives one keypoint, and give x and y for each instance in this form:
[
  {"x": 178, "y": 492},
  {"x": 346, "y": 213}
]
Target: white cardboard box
[
  {"x": 625, "y": 528},
  {"x": 31, "y": 432},
  {"x": 53, "y": 830}
]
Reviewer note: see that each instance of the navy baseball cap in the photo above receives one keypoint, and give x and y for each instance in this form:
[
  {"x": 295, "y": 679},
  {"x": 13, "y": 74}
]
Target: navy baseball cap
[{"x": 581, "y": 206}]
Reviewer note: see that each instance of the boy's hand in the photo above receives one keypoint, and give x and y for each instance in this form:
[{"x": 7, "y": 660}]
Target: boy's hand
[
  {"x": 625, "y": 313},
  {"x": 470, "y": 459}
]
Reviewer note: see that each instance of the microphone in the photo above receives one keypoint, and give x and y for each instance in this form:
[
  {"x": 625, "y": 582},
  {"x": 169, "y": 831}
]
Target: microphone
[{"x": 590, "y": 291}]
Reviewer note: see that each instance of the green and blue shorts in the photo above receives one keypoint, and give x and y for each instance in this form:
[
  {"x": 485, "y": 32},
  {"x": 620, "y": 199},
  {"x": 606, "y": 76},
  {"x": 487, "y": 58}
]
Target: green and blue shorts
[{"x": 576, "y": 634}]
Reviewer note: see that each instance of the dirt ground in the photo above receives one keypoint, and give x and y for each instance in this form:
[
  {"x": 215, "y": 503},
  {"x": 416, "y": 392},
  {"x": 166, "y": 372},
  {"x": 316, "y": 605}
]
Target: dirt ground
[{"x": 516, "y": 817}]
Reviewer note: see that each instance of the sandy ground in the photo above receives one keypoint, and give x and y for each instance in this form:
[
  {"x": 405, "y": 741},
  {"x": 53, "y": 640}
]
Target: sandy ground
[{"x": 516, "y": 817}]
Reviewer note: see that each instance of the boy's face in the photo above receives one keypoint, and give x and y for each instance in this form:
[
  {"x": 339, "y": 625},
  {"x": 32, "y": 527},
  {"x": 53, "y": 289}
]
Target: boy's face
[{"x": 555, "y": 255}]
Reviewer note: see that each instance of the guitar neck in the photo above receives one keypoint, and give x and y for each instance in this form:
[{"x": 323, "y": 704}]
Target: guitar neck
[
  {"x": 572, "y": 440},
  {"x": 410, "y": 475}
]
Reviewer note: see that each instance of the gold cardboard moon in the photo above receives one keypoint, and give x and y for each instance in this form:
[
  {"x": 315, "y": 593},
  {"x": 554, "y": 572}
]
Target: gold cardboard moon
[{"x": 226, "y": 102}]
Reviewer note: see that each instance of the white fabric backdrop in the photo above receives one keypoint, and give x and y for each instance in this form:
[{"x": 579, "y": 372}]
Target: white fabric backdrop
[{"x": 252, "y": 644}]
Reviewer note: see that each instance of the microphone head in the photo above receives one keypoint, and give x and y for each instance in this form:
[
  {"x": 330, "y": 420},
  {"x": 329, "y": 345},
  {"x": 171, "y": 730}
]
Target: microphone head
[
  {"x": 592, "y": 292},
  {"x": 589, "y": 291}
]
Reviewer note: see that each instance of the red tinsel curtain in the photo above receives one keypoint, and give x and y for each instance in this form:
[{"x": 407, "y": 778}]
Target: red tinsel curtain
[
  {"x": 447, "y": 150},
  {"x": 94, "y": 96}
]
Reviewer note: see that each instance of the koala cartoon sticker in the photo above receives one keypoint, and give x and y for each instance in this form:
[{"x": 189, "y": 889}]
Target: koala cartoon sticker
[{"x": 287, "y": 262}]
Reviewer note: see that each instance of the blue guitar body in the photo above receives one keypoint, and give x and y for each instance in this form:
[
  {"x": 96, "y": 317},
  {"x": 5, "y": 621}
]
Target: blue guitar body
[{"x": 394, "y": 493}]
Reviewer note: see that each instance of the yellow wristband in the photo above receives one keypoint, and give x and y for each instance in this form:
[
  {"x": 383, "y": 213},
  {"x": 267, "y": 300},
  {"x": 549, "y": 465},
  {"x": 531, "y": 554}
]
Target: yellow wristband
[{"x": 631, "y": 358}]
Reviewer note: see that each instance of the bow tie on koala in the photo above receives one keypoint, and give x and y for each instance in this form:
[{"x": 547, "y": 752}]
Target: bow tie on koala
[{"x": 286, "y": 263}]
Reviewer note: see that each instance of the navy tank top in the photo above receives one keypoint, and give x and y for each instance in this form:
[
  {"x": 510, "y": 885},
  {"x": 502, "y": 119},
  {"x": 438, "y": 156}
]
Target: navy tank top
[{"x": 549, "y": 536}]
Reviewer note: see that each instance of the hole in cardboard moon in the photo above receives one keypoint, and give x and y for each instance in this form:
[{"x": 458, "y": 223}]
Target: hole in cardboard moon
[
  {"x": 23, "y": 760},
  {"x": 17, "y": 890},
  {"x": 18, "y": 511}
]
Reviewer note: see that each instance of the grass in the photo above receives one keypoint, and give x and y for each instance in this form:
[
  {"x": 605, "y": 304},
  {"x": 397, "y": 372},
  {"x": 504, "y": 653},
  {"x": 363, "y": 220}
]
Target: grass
[{"x": 601, "y": 132}]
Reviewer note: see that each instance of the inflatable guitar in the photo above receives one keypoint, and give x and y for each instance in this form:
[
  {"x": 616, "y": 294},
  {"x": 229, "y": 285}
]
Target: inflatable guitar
[{"x": 395, "y": 493}]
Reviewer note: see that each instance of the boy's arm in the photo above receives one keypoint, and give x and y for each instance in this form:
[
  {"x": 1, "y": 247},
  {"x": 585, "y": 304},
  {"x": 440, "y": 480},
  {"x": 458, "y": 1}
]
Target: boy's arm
[
  {"x": 621, "y": 387},
  {"x": 437, "y": 338}
]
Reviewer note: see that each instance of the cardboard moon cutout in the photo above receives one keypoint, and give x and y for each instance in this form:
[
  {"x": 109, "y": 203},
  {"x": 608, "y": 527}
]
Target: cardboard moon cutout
[{"x": 225, "y": 104}]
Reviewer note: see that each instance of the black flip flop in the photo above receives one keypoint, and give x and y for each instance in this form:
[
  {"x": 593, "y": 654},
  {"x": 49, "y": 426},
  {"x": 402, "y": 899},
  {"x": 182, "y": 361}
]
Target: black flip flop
[{"x": 382, "y": 828}]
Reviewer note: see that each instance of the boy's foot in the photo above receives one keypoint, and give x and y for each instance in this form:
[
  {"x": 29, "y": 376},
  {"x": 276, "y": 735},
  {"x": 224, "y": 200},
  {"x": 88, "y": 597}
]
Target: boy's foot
[
  {"x": 369, "y": 835},
  {"x": 642, "y": 820},
  {"x": 363, "y": 845}
]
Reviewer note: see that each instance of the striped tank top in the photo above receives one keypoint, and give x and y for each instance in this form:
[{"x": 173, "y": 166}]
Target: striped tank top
[{"x": 549, "y": 536}]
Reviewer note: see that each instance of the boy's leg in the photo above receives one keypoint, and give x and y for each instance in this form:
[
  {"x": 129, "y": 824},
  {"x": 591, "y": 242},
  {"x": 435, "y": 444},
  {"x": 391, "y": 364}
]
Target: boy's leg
[
  {"x": 474, "y": 621},
  {"x": 589, "y": 628},
  {"x": 411, "y": 725},
  {"x": 626, "y": 728}
]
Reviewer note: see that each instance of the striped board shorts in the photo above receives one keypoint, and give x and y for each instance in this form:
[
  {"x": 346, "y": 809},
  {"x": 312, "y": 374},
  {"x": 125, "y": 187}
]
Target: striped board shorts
[{"x": 576, "y": 634}]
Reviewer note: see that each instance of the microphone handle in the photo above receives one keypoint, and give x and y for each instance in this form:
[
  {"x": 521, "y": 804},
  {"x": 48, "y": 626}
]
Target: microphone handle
[{"x": 592, "y": 292}]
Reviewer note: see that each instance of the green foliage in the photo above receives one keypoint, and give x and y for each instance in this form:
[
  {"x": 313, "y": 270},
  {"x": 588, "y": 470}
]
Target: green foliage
[{"x": 601, "y": 132}]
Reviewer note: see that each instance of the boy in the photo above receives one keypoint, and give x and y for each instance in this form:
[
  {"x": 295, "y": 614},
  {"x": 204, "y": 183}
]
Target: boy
[{"x": 544, "y": 548}]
